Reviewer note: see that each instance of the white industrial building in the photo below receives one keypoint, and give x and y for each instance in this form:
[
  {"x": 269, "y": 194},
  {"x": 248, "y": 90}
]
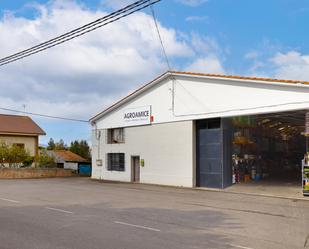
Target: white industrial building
[{"x": 188, "y": 129}]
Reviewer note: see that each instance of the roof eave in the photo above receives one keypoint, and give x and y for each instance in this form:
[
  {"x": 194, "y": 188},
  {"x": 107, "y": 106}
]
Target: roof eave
[
  {"x": 22, "y": 133},
  {"x": 130, "y": 96},
  {"x": 196, "y": 75},
  {"x": 245, "y": 79}
]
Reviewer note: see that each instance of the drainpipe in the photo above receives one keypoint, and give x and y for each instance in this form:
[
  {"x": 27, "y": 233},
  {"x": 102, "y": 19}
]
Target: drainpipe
[{"x": 97, "y": 134}]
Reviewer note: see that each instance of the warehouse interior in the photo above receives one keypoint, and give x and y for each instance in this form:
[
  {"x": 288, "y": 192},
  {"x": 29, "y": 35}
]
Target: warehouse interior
[
  {"x": 268, "y": 148},
  {"x": 251, "y": 150}
]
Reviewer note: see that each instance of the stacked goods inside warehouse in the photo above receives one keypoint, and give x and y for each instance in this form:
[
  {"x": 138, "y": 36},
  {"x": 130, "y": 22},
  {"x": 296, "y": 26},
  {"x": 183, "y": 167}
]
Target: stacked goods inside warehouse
[
  {"x": 268, "y": 147},
  {"x": 305, "y": 162},
  {"x": 305, "y": 174}
]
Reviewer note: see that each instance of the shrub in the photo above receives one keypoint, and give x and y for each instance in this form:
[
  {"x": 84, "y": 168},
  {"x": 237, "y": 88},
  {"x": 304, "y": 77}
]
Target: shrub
[
  {"x": 4, "y": 151},
  {"x": 13, "y": 156},
  {"x": 28, "y": 161},
  {"x": 16, "y": 156},
  {"x": 46, "y": 161}
]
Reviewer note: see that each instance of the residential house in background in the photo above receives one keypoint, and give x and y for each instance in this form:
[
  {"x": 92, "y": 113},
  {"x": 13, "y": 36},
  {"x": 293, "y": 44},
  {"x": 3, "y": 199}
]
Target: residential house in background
[
  {"x": 67, "y": 159},
  {"x": 21, "y": 131}
]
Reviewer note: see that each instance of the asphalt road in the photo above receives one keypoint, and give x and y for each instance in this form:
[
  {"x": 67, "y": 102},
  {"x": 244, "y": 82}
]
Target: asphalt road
[{"x": 80, "y": 213}]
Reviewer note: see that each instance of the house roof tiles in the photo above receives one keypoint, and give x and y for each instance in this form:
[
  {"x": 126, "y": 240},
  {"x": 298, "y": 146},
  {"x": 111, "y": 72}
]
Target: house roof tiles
[
  {"x": 14, "y": 124},
  {"x": 68, "y": 156}
]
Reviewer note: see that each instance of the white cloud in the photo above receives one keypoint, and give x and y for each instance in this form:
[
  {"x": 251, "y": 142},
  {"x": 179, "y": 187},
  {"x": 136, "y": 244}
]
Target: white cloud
[
  {"x": 291, "y": 65},
  {"x": 78, "y": 78},
  {"x": 252, "y": 55},
  {"x": 205, "y": 45},
  {"x": 288, "y": 65},
  {"x": 196, "y": 18},
  {"x": 192, "y": 3},
  {"x": 116, "y": 4},
  {"x": 209, "y": 64},
  {"x": 290, "y": 58},
  {"x": 209, "y": 55}
]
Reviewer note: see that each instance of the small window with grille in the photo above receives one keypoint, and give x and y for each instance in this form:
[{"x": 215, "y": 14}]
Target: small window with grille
[
  {"x": 115, "y": 161},
  {"x": 115, "y": 136}
]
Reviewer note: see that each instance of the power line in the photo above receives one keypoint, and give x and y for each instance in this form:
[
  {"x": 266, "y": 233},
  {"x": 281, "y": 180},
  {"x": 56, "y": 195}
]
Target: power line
[
  {"x": 160, "y": 38},
  {"x": 241, "y": 109},
  {"x": 115, "y": 16},
  {"x": 72, "y": 32},
  {"x": 166, "y": 57},
  {"x": 44, "y": 115}
]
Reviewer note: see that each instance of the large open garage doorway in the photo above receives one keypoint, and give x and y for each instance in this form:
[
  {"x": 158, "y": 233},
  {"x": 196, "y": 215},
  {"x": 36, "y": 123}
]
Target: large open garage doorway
[
  {"x": 250, "y": 152},
  {"x": 267, "y": 151}
]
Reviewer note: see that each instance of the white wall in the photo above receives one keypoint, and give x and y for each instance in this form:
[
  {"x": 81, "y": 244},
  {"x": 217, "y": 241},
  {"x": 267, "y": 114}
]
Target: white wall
[
  {"x": 70, "y": 165},
  {"x": 167, "y": 144},
  {"x": 199, "y": 98},
  {"x": 166, "y": 148},
  {"x": 29, "y": 142}
]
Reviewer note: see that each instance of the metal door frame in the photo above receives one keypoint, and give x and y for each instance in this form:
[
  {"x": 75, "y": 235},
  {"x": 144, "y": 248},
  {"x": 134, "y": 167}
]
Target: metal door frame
[{"x": 133, "y": 158}]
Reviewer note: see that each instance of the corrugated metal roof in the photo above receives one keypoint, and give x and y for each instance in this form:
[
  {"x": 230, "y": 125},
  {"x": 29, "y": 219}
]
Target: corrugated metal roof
[
  {"x": 68, "y": 156},
  {"x": 16, "y": 124}
]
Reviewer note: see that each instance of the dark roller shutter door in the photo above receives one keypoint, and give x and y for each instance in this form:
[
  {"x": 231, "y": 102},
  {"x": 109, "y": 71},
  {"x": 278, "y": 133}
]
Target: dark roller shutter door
[{"x": 209, "y": 158}]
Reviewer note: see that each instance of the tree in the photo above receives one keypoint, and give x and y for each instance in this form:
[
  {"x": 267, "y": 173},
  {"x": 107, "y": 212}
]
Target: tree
[
  {"x": 46, "y": 161},
  {"x": 80, "y": 148},
  {"x": 4, "y": 151},
  {"x": 17, "y": 155},
  {"x": 14, "y": 156},
  {"x": 61, "y": 145},
  {"x": 51, "y": 144}
]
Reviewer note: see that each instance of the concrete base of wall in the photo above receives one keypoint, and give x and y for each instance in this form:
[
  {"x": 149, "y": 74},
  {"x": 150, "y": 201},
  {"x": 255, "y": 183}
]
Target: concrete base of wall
[{"x": 35, "y": 173}]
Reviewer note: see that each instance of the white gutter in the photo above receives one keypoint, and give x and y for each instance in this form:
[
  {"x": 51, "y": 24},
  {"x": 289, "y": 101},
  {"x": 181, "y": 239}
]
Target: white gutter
[{"x": 287, "y": 84}]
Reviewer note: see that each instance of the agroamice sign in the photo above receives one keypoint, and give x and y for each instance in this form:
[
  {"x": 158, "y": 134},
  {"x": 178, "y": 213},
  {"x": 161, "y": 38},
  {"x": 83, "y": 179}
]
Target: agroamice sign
[{"x": 137, "y": 116}]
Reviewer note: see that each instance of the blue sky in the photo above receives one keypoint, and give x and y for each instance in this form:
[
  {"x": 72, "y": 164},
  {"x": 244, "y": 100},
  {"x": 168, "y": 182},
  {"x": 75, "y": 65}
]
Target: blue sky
[{"x": 76, "y": 80}]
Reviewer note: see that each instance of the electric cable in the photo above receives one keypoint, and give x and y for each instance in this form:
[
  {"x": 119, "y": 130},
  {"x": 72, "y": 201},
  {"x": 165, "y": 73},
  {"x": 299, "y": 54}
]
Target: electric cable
[
  {"x": 174, "y": 81},
  {"x": 44, "y": 115},
  {"x": 119, "y": 14},
  {"x": 160, "y": 38},
  {"x": 243, "y": 109},
  {"x": 74, "y": 31},
  {"x": 115, "y": 16}
]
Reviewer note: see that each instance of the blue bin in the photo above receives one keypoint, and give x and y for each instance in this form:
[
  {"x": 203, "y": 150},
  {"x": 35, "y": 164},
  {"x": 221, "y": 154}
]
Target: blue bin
[{"x": 258, "y": 177}]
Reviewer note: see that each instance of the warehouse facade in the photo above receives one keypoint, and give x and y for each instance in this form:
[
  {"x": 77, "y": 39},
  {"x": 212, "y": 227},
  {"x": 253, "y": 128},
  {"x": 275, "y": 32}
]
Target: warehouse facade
[{"x": 186, "y": 129}]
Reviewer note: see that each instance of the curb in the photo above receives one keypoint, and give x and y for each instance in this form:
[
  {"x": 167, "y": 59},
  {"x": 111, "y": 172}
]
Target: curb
[
  {"x": 255, "y": 194},
  {"x": 207, "y": 189}
]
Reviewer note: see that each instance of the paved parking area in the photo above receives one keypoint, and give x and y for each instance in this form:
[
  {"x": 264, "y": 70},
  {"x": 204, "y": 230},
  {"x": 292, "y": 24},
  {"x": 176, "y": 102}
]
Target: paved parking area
[{"x": 82, "y": 213}]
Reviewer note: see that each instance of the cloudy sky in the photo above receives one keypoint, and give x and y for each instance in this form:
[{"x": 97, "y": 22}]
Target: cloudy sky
[{"x": 80, "y": 78}]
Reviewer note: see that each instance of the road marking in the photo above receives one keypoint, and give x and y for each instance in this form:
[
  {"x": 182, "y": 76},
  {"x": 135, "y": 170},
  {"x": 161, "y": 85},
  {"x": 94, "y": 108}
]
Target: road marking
[
  {"x": 242, "y": 247},
  {"x": 4, "y": 199},
  {"x": 59, "y": 210},
  {"x": 138, "y": 226}
]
